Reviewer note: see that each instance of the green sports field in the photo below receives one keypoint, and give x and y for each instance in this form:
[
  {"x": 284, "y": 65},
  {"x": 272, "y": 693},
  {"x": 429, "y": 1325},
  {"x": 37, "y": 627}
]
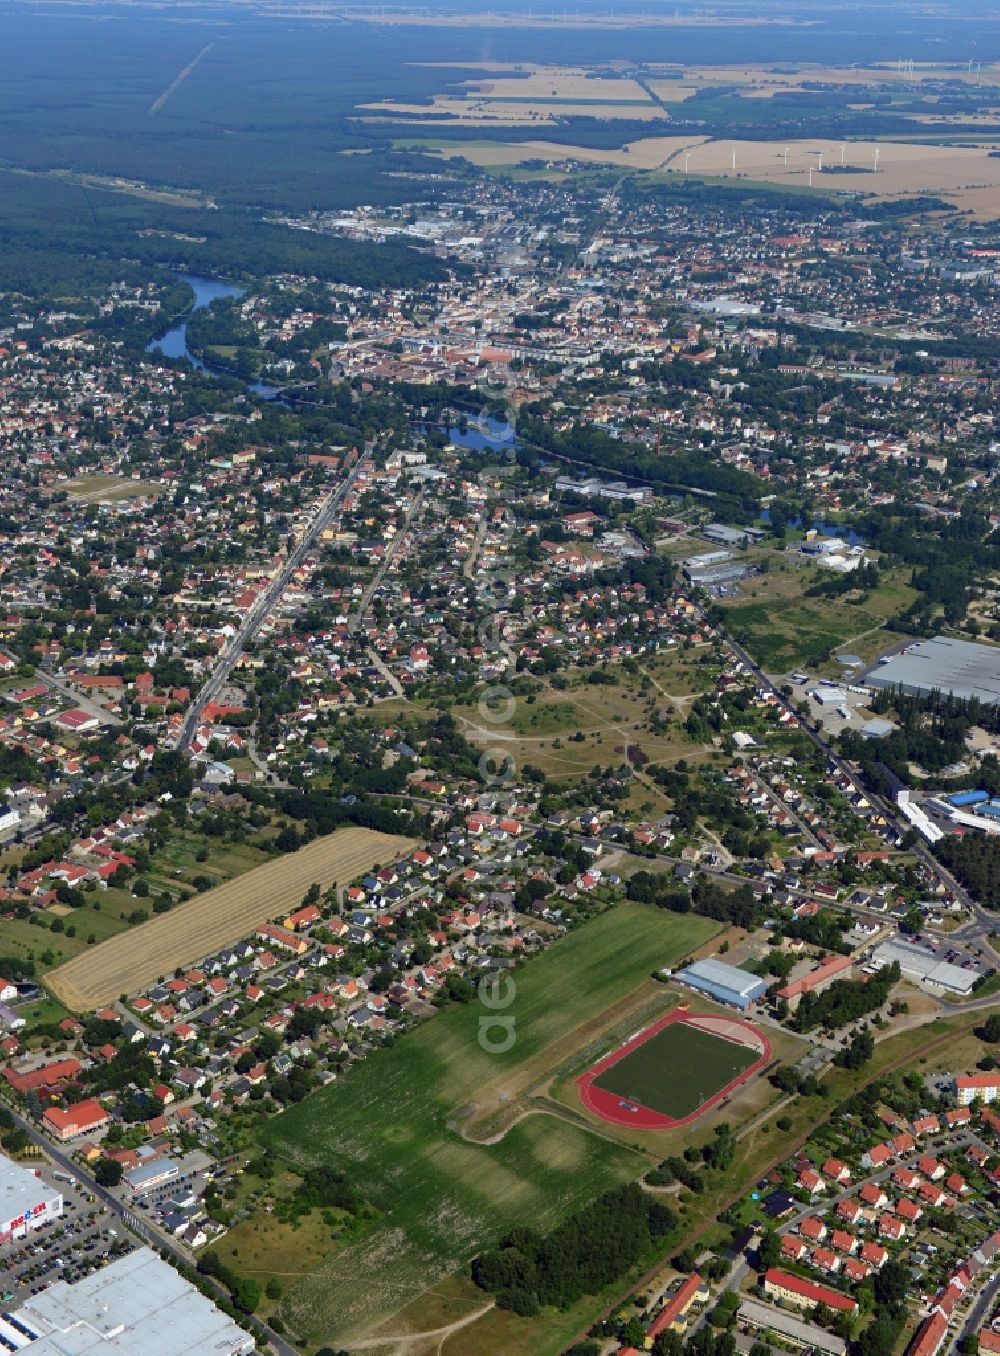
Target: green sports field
[{"x": 676, "y": 1070}]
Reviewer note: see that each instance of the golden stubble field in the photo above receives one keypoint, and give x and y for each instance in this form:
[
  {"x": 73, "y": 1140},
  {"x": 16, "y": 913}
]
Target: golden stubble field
[
  {"x": 966, "y": 176},
  {"x": 519, "y": 93},
  {"x": 218, "y": 918}
]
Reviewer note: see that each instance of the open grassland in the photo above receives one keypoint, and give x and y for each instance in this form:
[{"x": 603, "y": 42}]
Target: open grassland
[
  {"x": 441, "y": 1197},
  {"x": 102, "y": 916},
  {"x": 611, "y": 717},
  {"x": 266, "y": 1247},
  {"x": 99, "y": 489},
  {"x": 811, "y": 627},
  {"x": 218, "y": 917}
]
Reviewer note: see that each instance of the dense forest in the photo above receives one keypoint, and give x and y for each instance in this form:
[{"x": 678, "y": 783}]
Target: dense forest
[
  {"x": 586, "y": 1252},
  {"x": 57, "y": 234},
  {"x": 975, "y": 860}
]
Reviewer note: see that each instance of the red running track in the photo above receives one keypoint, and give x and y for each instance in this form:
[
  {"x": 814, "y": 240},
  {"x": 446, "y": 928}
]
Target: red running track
[{"x": 609, "y": 1106}]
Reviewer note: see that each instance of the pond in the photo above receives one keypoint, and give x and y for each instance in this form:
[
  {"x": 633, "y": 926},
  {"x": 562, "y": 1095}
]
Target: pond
[{"x": 840, "y": 530}]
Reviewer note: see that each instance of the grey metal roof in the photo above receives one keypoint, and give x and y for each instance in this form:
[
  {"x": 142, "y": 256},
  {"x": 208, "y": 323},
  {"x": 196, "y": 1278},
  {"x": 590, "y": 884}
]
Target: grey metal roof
[
  {"x": 136, "y": 1304},
  {"x": 21, "y": 1190},
  {"x": 723, "y": 976},
  {"x": 961, "y": 667},
  {"x": 919, "y": 963}
]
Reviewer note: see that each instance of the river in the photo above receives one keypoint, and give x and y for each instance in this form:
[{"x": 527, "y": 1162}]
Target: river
[
  {"x": 173, "y": 344},
  {"x": 481, "y": 434}
]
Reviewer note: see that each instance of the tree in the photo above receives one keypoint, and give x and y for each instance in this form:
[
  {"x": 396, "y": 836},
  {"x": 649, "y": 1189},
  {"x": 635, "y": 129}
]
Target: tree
[
  {"x": 892, "y": 1284},
  {"x": 108, "y": 1172},
  {"x": 991, "y": 1028},
  {"x": 246, "y": 1294},
  {"x": 768, "y": 1250},
  {"x": 859, "y": 1052}
]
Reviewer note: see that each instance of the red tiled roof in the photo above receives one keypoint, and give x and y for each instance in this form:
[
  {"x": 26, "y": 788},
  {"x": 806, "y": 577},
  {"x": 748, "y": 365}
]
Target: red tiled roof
[{"x": 816, "y": 1294}]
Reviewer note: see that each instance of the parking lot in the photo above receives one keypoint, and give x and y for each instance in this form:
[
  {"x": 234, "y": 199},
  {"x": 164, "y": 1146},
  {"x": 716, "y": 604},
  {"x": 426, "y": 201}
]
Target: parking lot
[
  {"x": 174, "y": 1204},
  {"x": 65, "y": 1249}
]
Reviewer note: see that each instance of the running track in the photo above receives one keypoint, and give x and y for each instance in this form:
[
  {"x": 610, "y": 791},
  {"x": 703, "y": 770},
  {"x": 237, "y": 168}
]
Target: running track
[{"x": 608, "y": 1105}]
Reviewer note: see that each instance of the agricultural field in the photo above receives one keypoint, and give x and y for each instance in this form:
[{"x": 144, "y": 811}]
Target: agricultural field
[
  {"x": 218, "y": 917},
  {"x": 538, "y": 95},
  {"x": 399, "y": 1121},
  {"x": 966, "y": 176}
]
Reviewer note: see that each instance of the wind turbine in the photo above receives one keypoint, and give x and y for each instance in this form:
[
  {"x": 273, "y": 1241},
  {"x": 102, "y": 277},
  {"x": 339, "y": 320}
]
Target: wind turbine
[
  {"x": 786, "y": 157},
  {"x": 687, "y": 157},
  {"x": 820, "y": 165},
  {"x": 810, "y": 176},
  {"x": 875, "y": 171},
  {"x": 842, "y": 150},
  {"x": 734, "y": 159}
]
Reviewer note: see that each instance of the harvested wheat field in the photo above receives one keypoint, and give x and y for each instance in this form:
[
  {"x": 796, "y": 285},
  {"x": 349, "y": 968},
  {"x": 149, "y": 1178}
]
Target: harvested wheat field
[{"x": 218, "y": 918}]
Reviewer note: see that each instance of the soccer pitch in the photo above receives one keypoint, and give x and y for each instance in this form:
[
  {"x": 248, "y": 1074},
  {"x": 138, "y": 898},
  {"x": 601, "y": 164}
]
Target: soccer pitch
[{"x": 676, "y": 1070}]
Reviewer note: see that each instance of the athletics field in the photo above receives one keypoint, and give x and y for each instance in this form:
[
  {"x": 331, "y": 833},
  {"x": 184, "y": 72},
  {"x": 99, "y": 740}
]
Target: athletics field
[{"x": 674, "y": 1070}]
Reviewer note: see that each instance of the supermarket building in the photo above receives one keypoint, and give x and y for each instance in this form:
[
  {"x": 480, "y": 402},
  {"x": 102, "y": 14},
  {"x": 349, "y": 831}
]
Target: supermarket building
[{"x": 26, "y": 1202}]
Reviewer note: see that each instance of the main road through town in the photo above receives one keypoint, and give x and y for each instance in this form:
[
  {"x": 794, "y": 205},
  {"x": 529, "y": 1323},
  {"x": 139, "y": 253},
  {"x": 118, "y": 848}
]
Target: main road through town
[
  {"x": 261, "y": 608},
  {"x": 145, "y": 1230}
]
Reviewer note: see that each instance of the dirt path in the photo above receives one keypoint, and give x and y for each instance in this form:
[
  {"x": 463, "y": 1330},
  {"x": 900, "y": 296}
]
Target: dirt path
[
  {"x": 509, "y": 1090},
  {"x": 404, "y": 1343},
  {"x": 678, "y": 703}
]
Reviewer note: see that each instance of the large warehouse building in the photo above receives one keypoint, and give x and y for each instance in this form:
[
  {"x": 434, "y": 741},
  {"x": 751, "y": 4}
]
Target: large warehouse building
[
  {"x": 138, "y": 1304},
  {"x": 727, "y": 984},
  {"x": 916, "y": 962},
  {"x": 959, "y": 667},
  {"x": 26, "y": 1202}
]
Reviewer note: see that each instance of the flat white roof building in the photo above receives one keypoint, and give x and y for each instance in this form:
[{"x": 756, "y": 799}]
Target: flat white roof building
[
  {"x": 796, "y": 1330},
  {"x": 962, "y": 667},
  {"x": 25, "y": 1200},
  {"x": 917, "y": 963},
  {"x": 138, "y": 1304}
]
